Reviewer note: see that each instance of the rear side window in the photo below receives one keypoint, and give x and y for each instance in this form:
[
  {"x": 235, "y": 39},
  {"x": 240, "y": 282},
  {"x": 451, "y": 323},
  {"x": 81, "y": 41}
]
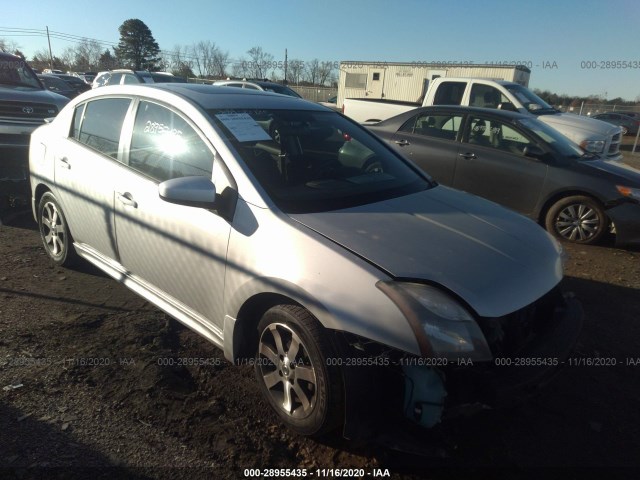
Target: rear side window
[
  {"x": 115, "y": 79},
  {"x": 449, "y": 93},
  {"x": 130, "y": 79},
  {"x": 165, "y": 146},
  {"x": 77, "y": 120},
  {"x": 439, "y": 126},
  {"x": 102, "y": 123},
  {"x": 486, "y": 96}
]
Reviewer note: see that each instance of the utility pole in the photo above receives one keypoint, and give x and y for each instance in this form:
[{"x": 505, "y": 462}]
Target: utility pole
[
  {"x": 285, "y": 67},
  {"x": 50, "y": 56}
]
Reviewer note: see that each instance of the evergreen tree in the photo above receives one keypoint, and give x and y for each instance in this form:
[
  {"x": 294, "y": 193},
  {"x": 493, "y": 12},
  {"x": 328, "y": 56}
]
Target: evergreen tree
[{"x": 137, "y": 48}]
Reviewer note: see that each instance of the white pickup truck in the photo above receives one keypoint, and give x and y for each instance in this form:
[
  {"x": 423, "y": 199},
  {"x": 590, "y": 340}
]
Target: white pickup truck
[{"x": 592, "y": 135}]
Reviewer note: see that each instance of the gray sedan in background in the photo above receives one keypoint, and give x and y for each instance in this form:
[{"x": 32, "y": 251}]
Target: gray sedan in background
[
  {"x": 357, "y": 287},
  {"x": 519, "y": 162}
]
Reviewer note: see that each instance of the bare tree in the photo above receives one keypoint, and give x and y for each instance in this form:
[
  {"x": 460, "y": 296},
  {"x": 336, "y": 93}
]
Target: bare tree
[
  {"x": 86, "y": 55},
  {"x": 312, "y": 71},
  {"x": 295, "y": 70},
  {"x": 8, "y": 46},
  {"x": 324, "y": 72},
  {"x": 240, "y": 68},
  {"x": 220, "y": 62},
  {"x": 202, "y": 53},
  {"x": 259, "y": 62}
]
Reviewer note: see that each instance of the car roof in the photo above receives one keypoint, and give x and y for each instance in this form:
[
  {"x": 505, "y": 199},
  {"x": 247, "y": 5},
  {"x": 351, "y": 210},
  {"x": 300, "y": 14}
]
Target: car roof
[
  {"x": 506, "y": 114},
  {"x": 209, "y": 96},
  {"x": 9, "y": 56}
]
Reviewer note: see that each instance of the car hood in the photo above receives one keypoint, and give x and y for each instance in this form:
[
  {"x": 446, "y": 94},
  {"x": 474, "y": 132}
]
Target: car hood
[
  {"x": 586, "y": 124},
  {"x": 494, "y": 259},
  {"x": 616, "y": 171},
  {"x": 20, "y": 94}
]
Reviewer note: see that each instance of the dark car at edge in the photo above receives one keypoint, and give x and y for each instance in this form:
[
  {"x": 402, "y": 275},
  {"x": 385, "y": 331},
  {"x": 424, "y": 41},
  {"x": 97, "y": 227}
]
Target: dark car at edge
[{"x": 521, "y": 163}]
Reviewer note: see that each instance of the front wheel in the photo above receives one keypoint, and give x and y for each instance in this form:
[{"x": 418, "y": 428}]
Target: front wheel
[
  {"x": 578, "y": 219},
  {"x": 54, "y": 231},
  {"x": 293, "y": 367}
]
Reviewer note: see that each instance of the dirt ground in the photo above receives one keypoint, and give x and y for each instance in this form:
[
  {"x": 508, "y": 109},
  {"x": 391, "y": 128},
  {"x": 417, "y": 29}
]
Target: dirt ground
[{"x": 87, "y": 389}]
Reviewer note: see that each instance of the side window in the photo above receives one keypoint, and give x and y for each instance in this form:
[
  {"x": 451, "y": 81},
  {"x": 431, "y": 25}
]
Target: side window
[
  {"x": 164, "y": 146},
  {"x": 449, "y": 93},
  {"x": 439, "y": 126},
  {"x": 486, "y": 96},
  {"x": 102, "y": 123},
  {"x": 496, "y": 134},
  {"x": 114, "y": 79},
  {"x": 77, "y": 120},
  {"x": 130, "y": 79},
  {"x": 251, "y": 87}
]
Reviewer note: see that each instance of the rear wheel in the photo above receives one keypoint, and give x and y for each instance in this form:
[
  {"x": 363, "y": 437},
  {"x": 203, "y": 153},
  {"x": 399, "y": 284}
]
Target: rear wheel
[
  {"x": 54, "y": 231},
  {"x": 293, "y": 366},
  {"x": 578, "y": 219}
]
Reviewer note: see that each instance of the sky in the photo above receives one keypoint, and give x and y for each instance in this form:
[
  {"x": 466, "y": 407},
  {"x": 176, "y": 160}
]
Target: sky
[{"x": 576, "y": 47}]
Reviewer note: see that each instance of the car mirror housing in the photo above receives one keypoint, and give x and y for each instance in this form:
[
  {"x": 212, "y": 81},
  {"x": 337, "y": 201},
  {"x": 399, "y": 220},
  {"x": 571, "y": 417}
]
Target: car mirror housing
[
  {"x": 533, "y": 151},
  {"x": 189, "y": 191},
  {"x": 508, "y": 106}
]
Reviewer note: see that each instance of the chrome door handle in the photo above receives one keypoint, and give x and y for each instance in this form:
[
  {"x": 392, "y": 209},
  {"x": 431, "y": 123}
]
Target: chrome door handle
[
  {"x": 468, "y": 156},
  {"x": 64, "y": 163},
  {"x": 126, "y": 199},
  {"x": 402, "y": 143}
]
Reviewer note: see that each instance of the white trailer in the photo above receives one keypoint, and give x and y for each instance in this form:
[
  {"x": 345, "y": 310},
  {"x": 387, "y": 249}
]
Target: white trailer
[{"x": 408, "y": 82}]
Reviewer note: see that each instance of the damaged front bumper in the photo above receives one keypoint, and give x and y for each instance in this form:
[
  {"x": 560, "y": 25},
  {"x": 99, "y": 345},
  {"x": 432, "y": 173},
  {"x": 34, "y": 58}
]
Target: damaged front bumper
[
  {"x": 425, "y": 391},
  {"x": 626, "y": 218}
]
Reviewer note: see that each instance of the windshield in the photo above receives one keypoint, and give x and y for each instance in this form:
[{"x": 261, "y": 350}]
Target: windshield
[
  {"x": 309, "y": 161},
  {"x": 281, "y": 89},
  {"x": 529, "y": 100},
  {"x": 553, "y": 138},
  {"x": 55, "y": 84},
  {"x": 17, "y": 73}
]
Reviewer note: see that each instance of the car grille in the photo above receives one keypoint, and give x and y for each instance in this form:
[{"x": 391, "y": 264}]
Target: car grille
[
  {"x": 614, "y": 146},
  {"x": 27, "y": 110},
  {"x": 509, "y": 334},
  {"x": 11, "y": 140}
]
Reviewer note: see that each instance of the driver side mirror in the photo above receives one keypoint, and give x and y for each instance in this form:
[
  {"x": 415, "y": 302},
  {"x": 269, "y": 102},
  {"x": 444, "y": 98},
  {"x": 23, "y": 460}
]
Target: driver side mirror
[
  {"x": 189, "y": 191},
  {"x": 508, "y": 106},
  {"x": 533, "y": 151}
]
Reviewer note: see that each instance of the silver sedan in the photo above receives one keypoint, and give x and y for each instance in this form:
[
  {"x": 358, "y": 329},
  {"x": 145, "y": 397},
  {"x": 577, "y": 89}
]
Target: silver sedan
[{"x": 358, "y": 287}]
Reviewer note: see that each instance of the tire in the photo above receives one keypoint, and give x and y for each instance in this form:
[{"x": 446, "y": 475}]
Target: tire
[
  {"x": 577, "y": 219},
  {"x": 54, "y": 232},
  {"x": 303, "y": 389}
]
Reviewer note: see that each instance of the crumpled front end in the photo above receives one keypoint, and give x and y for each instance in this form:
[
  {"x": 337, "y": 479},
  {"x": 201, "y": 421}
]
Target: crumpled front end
[{"x": 384, "y": 386}]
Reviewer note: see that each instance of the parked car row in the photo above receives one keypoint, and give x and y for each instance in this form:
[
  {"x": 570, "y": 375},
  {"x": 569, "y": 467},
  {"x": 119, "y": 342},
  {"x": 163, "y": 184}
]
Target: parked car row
[
  {"x": 261, "y": 85},
  {"x": 519, "y": 162},
  {"x": 131, "y": 77}
]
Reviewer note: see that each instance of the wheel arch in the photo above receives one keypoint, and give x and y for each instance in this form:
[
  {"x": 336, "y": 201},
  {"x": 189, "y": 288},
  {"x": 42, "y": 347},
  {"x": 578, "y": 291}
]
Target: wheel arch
[
  {"x": 245, "y": 334},
  {"x": 252, "y": 301},
  {"x": 40, "y": 190},
  {"x": 557, "y": 196}
]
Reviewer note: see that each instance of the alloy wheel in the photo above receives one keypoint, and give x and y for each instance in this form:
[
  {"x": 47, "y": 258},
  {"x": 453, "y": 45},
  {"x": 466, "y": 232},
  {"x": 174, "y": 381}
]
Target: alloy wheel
[{"x": 287, "y": 370}]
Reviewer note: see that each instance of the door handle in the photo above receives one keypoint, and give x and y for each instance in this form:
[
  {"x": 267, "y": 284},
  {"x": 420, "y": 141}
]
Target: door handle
[
  {"x": 126, "y": 199},
  {"x": 64, "y": 163},
  {"x": 468, "y": 155},
  {"x": 402, "y": 143}
]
